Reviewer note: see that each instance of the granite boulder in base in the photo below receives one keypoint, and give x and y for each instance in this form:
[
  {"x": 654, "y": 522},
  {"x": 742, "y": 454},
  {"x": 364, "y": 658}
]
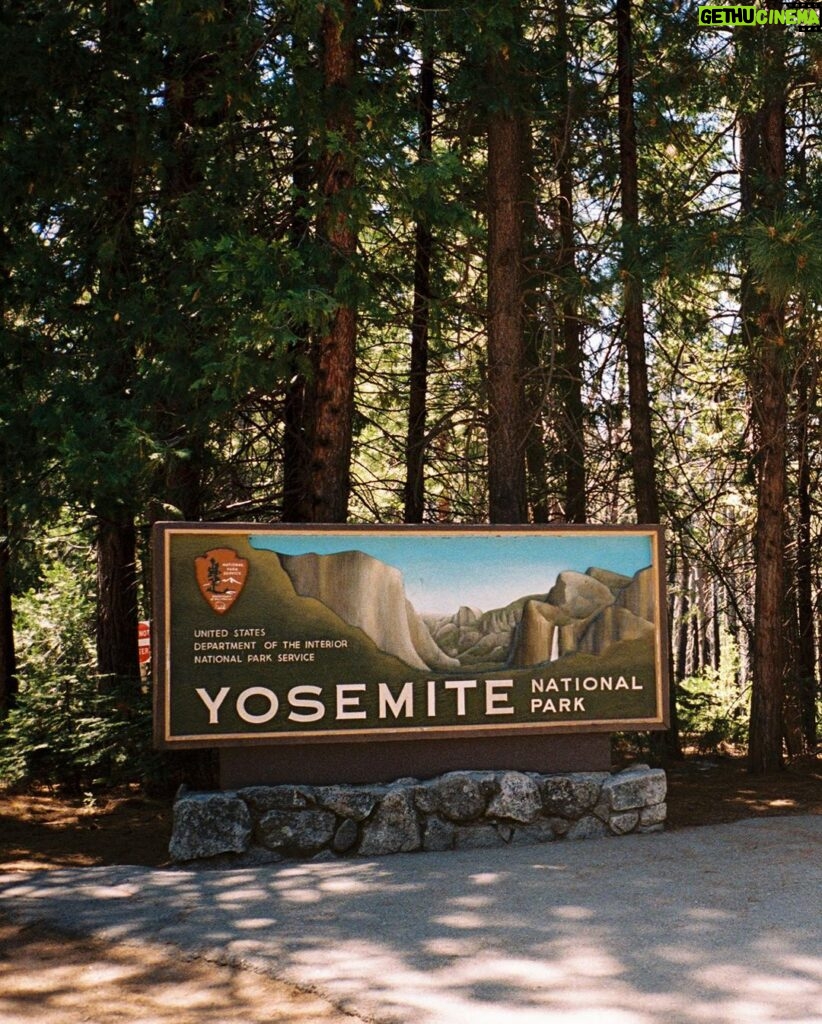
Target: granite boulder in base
[{"x": 209, "y": 824}]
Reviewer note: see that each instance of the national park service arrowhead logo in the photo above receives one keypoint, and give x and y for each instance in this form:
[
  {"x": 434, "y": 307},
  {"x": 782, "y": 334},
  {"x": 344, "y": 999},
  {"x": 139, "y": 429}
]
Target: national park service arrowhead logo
[{"x": 221, "y": 576}]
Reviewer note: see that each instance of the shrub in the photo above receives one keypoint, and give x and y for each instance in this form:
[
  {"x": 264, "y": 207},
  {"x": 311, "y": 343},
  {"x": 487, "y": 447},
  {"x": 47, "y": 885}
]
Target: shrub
[
  {"x": 711, "y": 713},
  {"x": 69, "y": 727}
]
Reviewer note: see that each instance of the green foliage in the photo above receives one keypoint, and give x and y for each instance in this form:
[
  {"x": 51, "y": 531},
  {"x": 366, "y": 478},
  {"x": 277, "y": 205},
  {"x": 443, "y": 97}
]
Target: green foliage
[
  {"x": 70, "y": 728},
  {"x": 786, "y": 254},
  {"x": 65, "y": 731},
  {"x": 711, "y": 713}
]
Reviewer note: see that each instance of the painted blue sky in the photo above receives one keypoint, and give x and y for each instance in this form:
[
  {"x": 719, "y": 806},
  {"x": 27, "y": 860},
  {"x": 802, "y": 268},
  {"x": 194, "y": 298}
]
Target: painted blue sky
[{"x": 487, "y": 570}]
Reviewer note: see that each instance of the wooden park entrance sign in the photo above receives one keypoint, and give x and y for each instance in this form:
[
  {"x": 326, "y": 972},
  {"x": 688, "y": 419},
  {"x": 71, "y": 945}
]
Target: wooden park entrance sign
[{"x": 284, "y": 634}]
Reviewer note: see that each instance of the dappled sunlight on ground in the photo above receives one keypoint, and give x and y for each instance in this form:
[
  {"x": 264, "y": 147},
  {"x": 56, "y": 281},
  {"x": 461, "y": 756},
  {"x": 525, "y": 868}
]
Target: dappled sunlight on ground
[
  {"x": 696, "y": 926},
  {"x": 719, "y": 925},
  {"x": 48, "y": 978}
]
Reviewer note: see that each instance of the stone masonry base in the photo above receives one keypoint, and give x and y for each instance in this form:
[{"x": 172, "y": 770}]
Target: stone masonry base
[{"x": 458, "y": 811}]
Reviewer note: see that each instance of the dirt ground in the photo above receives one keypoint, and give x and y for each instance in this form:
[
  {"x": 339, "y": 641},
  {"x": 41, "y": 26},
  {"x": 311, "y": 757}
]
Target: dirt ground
[{"x": 53, "y": 978}]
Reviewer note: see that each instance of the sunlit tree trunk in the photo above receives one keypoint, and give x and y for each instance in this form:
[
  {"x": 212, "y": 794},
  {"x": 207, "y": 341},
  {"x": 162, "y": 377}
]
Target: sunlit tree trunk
[
  {"x": 762, "y": 188},
  {"x": 806, "y": 621},
  {"x": 665, "y": 745},
  {"x": 295, "y": 452},
  {"x": 506, "y": 355},
  {"x": 642, "y": 449},
  {"x": 420, "y": 317},
  {"x": 571, "y": 403},
  {"x": 330, "y": 391}
]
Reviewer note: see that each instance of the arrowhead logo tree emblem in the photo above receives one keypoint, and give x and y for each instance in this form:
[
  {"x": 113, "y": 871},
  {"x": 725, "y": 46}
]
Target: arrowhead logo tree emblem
[{"x": 221, "y": 575}]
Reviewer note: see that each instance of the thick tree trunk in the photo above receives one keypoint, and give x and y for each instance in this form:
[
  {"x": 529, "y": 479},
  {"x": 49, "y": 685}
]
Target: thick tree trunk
[
  {"x": 116, "y": 541},
  {"x": 767, "y": 696},
  {"x": 420, "y": 317},
  {"x": 294, "y": 425},
  {"x": 573, "y": 453},
  {"x": 665, "y": 745},
  {"x": 642, "y": 450},
  {"x": 506, "y": 356},
  {"x": 330, "y": 393},
  {"x": 117, "y": 598},
  {"x": 806, "y": 625},
  {"x": 682, "y": 609},
  {"x": 295, "y": 448},
  {"x": 762, "y": 189},
  {"x": 8, "y": 656},
  {"x": 189, "y": 67},
  {"x": 8, "y": 652},
  {"x": 538, "y": 362}
]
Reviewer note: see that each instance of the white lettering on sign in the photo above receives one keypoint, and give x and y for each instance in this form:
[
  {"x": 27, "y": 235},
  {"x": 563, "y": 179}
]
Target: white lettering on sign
[
  {"x": 263, "y": 717},
  {"x": 569, "y": 684},
  {"x": 404, "y": 701},
  {"x": 494, "y": 700},
  {"x": 346, "y": 699},
  {"x": 557, "y": 706},
  {"x": 302, "y": 697},
  {"x": 461, "y": 685},
  {"x": 258, "y": 705},
  {"x": 213, "y": 705}
]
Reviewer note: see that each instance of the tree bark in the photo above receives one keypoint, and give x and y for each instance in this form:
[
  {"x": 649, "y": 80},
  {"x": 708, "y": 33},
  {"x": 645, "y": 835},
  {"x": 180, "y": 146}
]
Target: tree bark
[
  {"x": 190, "y": 66},
  {"x": 420, "y": 317},
  {"x": 294, "y": 425},
  {"x": 116, "y": 539},
  {"x": 8, "y": 656},
  {"x": 664, "y": 745},
  {"x": 573, "y": 452},
  {"x": 8, "y": 652},
  {"x": 762, "y": 189},
  {"x": 806, "y": 625},
  {"x": 767, "y": 695},
  {"x": 295, "y": 447},
  {"x": 538, "y": 363},
  {"x": 330, "y": 392},
  {"x": 642, "y": 449},
  {"x": 506, "y": 357},
  {"x": 117, "y": 598}
]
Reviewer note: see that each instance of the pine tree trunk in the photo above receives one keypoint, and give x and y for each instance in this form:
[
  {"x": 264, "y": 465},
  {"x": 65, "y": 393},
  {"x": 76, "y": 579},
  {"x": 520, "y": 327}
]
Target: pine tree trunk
[
  {"x": 295, "y": 450},
  {"x": 117, "y": 599},
  {"x": 8, "y": 657},
  {"x": 664, "y": 745},
  {"x": 763, "y": 189},
  {"x": 295, "y": 462},
  {"x": 767, "y": 696},
  {"x": 570, "y": 401},
  {"x": 538, "y": 363},
  {"x": 418, "y": 371},
  {"x": 8, "y": 653},
  {"x": 330, "y": 392},
  {"x": 506, "y": 356},
  {"x": 294, "y": 442},
  {"x": 681, "y": 613},
  {"x": 642, "y": 451},
  {"x": 806, "y": 660},
  {"x": 116, "y": 542},
  {"x": 189, "y": 67}
]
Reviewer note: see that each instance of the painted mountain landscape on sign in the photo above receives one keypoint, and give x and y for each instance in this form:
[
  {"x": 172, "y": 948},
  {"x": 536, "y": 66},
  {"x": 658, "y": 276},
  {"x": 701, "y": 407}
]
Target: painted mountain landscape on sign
[{"x": 581, "y": 613}]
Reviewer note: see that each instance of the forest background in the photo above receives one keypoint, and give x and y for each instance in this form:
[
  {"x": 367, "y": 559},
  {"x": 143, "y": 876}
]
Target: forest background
[{"x": 369, "y": 261}]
